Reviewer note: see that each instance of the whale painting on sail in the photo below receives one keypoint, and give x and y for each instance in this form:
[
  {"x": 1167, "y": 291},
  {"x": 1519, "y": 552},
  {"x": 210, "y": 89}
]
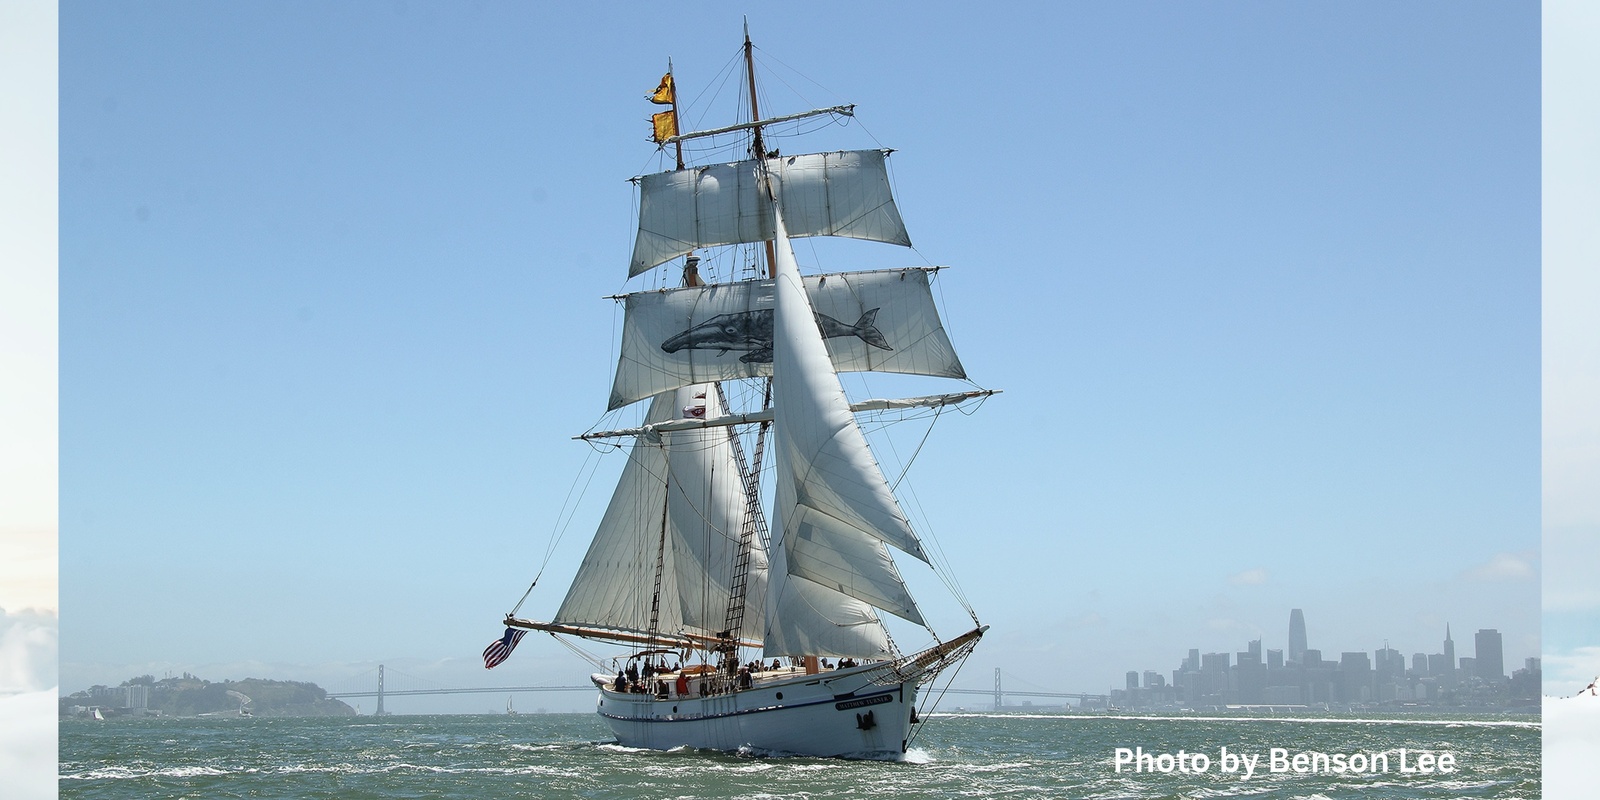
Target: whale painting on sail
[
  {"x": 687, "y": 335},
  {"x": 752, "y": 331},
  {"x": 735, "y": 637}
]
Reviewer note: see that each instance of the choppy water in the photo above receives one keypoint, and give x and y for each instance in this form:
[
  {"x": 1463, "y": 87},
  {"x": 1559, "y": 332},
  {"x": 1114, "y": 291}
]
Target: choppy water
[{"x": 964, "y": 755}]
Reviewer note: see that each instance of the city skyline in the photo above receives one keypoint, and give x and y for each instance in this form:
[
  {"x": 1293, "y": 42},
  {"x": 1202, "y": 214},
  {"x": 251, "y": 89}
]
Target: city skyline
[{"x": 1262, "y": 675}]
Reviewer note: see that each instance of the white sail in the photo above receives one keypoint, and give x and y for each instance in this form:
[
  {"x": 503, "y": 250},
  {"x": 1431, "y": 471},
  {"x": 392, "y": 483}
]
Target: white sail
[
  {"x": 834, "y": 508},
  {"x": 807, "y": 618},
  {"x": 828, "y": 194},
  {"x": 688, "y": 489},
  {"x": 882, "y": 321}
]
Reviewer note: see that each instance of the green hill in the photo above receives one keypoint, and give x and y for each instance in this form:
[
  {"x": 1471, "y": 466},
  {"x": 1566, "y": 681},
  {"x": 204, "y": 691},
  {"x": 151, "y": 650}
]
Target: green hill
[{"x": 190, "y": 696}]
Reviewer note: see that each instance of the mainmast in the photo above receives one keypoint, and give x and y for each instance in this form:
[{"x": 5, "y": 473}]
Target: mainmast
[
  {"x": 754, "y": 521},
  {"x": 758, "y": 149}
]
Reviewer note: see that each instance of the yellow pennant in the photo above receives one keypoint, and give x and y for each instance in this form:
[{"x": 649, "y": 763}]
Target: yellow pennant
[
  {"x": 663, "y": 93},
  {"x": 666, "y": 125}
]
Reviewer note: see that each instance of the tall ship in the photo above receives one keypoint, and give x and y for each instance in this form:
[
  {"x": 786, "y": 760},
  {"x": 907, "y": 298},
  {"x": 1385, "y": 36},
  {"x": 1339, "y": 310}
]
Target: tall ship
[{"x": 735, "y": 636}]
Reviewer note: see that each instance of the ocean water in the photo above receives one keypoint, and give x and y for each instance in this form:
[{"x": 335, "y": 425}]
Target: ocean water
[{"x": 955, "y": 755}]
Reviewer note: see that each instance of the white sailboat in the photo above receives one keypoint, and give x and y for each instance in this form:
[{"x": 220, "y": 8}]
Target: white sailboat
[{"x": 741, "y": 639}]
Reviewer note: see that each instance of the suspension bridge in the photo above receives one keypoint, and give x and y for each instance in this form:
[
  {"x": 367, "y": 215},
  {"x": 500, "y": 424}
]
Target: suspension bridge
[{"x": 997, "y": 695}]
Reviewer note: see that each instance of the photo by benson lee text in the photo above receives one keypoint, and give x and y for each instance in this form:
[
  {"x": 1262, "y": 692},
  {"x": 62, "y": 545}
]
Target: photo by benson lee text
[{"x": 1281, "y": 760}]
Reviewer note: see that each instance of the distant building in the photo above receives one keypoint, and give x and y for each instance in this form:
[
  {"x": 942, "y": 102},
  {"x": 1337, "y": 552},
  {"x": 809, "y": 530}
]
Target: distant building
[
  {"x": 1297, "y": 636},
  {"x": 1355, "y": 677},
  {"x": 1274, "y": 659},
  {"x": 1438, "y": 665},
  {"x": 1419, "y": 665},
  {"x": 1449, "y": 674},
  {"x": 1133, "y": 680},
  {"x": 1487, "y": 653},
  {"x": 1525, "y": 682},
  {"x": 1389, "y": 664},
  {"x": 1154, "y": 680}
]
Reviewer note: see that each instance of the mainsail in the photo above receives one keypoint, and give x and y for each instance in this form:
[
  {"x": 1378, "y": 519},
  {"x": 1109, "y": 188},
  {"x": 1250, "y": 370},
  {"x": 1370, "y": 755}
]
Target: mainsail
[
  {"x": 882, "y": 321},
  {"x": 828, "y": 194},
  {"x": 677, "y": 512}
]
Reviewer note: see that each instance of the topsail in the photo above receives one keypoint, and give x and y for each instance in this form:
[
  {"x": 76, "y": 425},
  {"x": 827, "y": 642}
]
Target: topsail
[{"x": 825, "y": 194}]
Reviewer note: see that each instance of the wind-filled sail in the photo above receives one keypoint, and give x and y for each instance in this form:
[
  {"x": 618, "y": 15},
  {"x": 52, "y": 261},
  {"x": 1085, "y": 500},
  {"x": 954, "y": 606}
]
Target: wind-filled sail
[
  {"x": 826, "y": 194},
  {"x": 835, "y": 510},
  {"x": 882, "y": 321},
  {"x": 680, "y": 504}
]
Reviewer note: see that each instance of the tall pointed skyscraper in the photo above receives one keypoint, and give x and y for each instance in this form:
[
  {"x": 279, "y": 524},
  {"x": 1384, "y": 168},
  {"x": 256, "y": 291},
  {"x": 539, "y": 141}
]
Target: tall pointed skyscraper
[
  {"x": 1449, "y": 657},
  {"x": 1297, "y": 636}
]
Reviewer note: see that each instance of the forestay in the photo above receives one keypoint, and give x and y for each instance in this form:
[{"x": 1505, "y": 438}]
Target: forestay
[
  {"x": 880, "y": 321},
  {"x": 843, "y": 193},
  {"x": 691, "y": 484}
]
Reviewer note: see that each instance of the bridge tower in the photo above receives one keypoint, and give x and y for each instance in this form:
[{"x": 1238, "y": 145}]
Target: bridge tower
[
  {"x": 380, "y": 711},
  {"x": 999, "y": 699}
]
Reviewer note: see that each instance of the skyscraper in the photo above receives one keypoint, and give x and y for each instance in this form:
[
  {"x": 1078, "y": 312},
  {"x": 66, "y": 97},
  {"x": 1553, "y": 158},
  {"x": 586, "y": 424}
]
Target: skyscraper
[
  {"x": 1487, "y": 653},
  {"x": 1449, "y": 674},
  {"x": 1297, "y": 636}
]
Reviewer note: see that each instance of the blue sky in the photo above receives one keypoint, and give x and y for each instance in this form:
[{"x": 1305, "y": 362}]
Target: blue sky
[{"x": 1260, "y": 282}]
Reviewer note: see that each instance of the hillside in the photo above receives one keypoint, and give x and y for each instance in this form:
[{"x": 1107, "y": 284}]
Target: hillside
[{"x": 190, "y": 696}]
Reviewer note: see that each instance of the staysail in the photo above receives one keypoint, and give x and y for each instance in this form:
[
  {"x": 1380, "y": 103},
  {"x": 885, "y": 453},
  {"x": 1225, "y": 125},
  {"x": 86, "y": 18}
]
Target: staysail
[
  {"x": 882, "y": 321},
  {"x": 844, "y": 193},
  {"x": 835, "y": 511},
  {"x": 679, "y": 504}
]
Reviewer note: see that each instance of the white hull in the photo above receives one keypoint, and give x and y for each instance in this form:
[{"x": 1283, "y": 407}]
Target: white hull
[{"x": 826, "y": 714}]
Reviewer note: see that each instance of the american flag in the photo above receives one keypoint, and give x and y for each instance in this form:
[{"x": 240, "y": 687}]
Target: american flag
[{"x": 500, "y": 649}]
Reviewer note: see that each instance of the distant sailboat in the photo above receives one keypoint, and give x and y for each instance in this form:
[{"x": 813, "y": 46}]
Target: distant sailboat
[{"x": 682, "y": 568}]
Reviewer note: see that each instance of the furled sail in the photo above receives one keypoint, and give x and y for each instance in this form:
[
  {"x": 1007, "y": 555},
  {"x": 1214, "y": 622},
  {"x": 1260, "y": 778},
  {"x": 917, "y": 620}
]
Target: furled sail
[
  {"x": 844, "y": 193},
  {"x": 689, "y": 490},
  {"x": 882, "y": 321},
  {"x": 835, "y": 511}
]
